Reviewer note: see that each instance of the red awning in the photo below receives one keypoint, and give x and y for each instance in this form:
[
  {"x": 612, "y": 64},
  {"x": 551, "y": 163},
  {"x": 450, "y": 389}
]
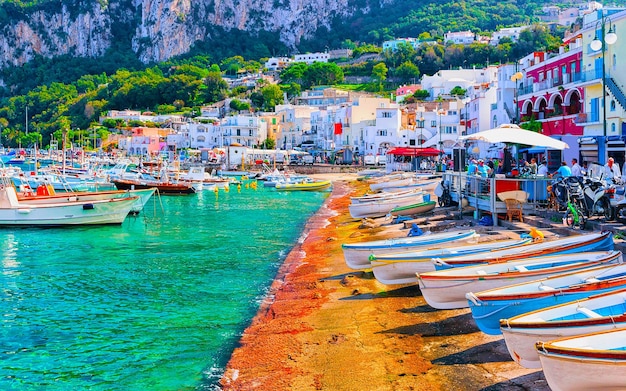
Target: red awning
[{"x": 407, "y": 151}]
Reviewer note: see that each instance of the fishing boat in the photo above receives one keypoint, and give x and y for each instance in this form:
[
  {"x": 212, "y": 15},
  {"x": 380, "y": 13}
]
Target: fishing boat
[
  {"x": 594, "y": 361},
  {"x": 596, "y": 313},
  {"x": 357, "y": 254},
  {"x": 163, "y": 187},
  {"x": 490, "y": 306},
  {"x": 597, "y": 241},
  {"x": 446, "y": 289},
  {"x": 414, "y": 209},
  {"x": 401, "y": 268},
  {"x": 46, "y": 194},
  {"x": 14, "y": 212},
  {"x": 304, "y": 186}
]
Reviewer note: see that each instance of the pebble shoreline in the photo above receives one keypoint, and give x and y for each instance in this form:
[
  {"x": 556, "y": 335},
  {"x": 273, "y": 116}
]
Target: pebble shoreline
[{"x": 325, "y": 326}]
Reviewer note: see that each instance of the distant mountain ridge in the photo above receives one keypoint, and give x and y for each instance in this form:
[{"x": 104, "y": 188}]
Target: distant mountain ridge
[{"x": 156, "y": 30}]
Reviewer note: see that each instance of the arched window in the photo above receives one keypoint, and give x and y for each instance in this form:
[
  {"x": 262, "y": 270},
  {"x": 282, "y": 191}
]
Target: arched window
[
  {"x": 612, "y": 105},
  {"x": 495, "y": 121},
  {"x": 613, "y": 128}
]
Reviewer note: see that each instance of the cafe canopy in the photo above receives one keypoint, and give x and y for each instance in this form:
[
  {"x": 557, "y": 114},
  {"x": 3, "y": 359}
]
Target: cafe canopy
[{"x": 410, "y": 151}]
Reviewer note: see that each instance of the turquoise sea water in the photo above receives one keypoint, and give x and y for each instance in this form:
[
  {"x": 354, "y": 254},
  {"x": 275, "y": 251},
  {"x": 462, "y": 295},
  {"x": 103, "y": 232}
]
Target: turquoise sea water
[{"x": 157, "y": 303}]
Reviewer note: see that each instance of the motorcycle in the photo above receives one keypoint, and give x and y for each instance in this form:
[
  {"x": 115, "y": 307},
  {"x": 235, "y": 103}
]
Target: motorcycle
[
  {"x": 617, "y": 198},
  {"x": 596, "y": 198}
]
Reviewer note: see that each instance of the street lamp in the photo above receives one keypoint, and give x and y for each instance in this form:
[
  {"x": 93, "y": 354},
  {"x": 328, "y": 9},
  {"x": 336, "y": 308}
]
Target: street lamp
[
  {"x": 440, "y": 111},
  {"x": 516, "y": 76},
  {"x": 600, "y": 43}
]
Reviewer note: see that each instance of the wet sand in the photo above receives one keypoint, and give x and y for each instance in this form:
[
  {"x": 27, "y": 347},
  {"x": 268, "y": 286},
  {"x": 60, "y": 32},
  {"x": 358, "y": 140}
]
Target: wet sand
[{"x": 325, "y": 326}]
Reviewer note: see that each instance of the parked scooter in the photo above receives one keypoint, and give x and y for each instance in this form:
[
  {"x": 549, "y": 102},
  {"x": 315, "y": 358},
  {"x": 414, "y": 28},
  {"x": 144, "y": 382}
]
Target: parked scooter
[
  {"x": 617, "y": 197},
  {"x": 596, "y": 198}
]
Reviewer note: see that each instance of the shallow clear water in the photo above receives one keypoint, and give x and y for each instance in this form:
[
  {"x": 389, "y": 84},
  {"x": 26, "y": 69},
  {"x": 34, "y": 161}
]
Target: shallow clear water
[{"x": 157, "y": 303}]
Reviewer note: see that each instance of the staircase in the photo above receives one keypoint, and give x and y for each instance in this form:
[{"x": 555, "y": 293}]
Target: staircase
[
  {"x": 616, "y": 92},
  {"x": 510, "y": 113}
]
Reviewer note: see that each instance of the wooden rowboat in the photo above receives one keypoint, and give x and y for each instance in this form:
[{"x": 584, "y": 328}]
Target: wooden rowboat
[
  {"x": 446, "y": 289},
  {"x": 601, "y": 312},
  {"x": 594, "y": 361},
  {"x": 414, "y": 209},
  {"x": 357, "y": 254}
]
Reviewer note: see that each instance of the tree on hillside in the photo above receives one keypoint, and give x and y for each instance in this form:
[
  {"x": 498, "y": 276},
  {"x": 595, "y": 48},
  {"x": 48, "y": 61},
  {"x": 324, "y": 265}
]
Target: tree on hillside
[
  {"x": 379, "y": 74},
  {"x": 322, "y": 73},
  {"x": 272, "y": 95},
  {"x": 407, "y": 72},
  {"x": 216, "y": 88}
]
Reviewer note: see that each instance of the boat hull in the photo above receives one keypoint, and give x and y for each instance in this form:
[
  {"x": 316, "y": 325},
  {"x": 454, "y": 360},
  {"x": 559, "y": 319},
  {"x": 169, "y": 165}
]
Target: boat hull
[
  {"x": 401, "y": 268},
  {"x": 591, "y": 315},
  {"x": 357, "y": 255},
  {"x": 447, "y": 289},
  {"x": 595, "y": 361}
]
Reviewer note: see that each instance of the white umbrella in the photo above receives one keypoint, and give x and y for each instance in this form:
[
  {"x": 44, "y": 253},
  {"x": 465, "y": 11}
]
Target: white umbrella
[{"x": 510, "y": 133}]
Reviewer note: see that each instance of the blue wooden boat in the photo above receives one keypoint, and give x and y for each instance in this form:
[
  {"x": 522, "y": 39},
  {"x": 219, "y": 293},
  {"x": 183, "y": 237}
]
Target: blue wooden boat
[
  {"x": 598, "y": 241},
  {"x": 490, "y": 306}
]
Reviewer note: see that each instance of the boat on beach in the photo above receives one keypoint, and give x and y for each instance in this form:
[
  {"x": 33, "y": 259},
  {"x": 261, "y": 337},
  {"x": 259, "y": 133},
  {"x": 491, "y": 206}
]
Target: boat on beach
[
  {"x": 381, "y": 207},
  {"x": 598, "y": 241},
  {"x": 446, "y": 289},
  {"x": 592, "y": 314},
  {"x": 594, "y": 361},
  {"x": 357, "y": 255},
  {"x": 490, "y": 306},
  {"x": 401, "y": 268},
  {"x": 414, "y": 209}
]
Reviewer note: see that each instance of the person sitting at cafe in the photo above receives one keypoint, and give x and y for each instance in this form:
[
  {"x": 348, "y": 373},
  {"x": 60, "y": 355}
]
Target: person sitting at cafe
[{"x": 542, "y": 170}]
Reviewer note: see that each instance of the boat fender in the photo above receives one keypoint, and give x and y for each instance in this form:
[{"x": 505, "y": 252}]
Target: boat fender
[{"x": 472, "y": 297}]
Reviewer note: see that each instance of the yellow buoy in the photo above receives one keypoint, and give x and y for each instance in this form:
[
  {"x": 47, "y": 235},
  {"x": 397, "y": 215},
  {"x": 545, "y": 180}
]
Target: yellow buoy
[{"x": 239, "y": 188}]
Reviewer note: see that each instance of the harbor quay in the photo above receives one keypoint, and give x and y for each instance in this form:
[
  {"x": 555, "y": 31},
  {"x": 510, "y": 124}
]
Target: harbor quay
[{"x": 324, "y": 326}]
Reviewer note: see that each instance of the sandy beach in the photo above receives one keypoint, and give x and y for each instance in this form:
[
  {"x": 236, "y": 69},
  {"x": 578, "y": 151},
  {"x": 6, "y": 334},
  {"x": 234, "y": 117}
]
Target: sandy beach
[{"x": 325, "y": 326}]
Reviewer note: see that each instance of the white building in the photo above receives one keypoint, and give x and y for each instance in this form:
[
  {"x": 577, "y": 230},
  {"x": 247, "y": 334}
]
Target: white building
[
  {"x": 459, "y": 37},
  {"x": 295, "y": 122},
  {"x": 508, "y": 32},
  {"x": 310, "y": 58},
  {"x": 441, "y": 83},
  {"x": 277, "y": 63}
]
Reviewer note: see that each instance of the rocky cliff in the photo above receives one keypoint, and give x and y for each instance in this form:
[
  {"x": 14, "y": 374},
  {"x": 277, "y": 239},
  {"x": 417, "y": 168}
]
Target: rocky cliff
[{"x": 159, "y": 29}]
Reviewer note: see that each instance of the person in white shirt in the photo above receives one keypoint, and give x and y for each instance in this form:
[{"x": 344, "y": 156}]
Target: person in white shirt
[
  {"x": 612, "y": 170},
  {"x": 542, "y": 170},
  {"x": 576, "y": 169}
]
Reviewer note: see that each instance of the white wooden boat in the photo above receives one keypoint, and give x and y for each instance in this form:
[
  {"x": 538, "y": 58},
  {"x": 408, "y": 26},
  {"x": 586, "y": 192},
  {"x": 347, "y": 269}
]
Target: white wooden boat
[
  {"x": 606, "y": 311},
  {"x": 446, "y": 289},
  {"x": 382, "y": 207},
  {"x": 594, "y": 361},
  {"x": 597, "y": 241},
  {"x": 490, "y": 306},
  {"x": 14, "y": 212},
  {"x": 382, "y": 196},
  {"x": 357, "y": 254},
  {"x": 391, "y": 183},
  {"x": 401, "y": 268},
  {"x": 45, "y": 194}
]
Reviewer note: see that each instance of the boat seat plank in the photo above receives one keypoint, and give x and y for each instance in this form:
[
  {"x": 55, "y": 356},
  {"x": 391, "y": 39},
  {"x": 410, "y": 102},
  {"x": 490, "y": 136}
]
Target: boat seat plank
[{"x": 587, "y": 312}]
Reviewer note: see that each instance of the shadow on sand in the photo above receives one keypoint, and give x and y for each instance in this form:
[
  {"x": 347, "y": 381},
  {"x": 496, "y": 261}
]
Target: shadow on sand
[{"x": 456, "y": 325}]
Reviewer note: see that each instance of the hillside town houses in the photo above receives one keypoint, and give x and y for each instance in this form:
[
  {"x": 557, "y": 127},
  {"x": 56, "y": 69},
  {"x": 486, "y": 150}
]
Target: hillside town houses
[{"x": 562, "y": 91}]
